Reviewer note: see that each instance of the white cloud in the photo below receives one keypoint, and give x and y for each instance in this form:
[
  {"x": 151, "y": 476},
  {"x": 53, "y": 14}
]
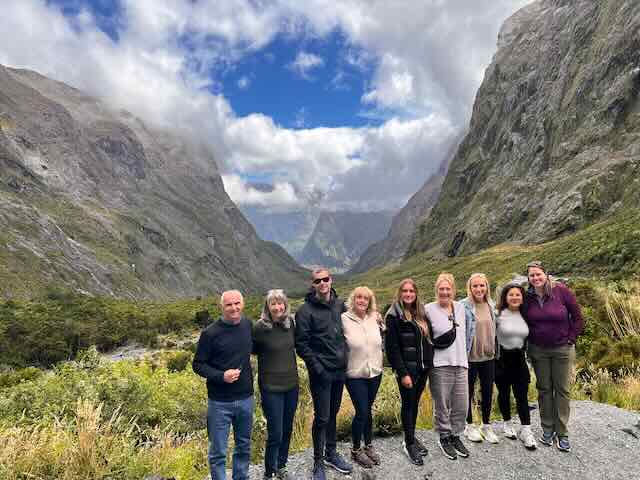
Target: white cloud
[
  {"x": 305, "y": 62},
  {"x": 427, "y": 61},
  {"x": 244, "y": 82},
  {"x": 282, "y": 195}
]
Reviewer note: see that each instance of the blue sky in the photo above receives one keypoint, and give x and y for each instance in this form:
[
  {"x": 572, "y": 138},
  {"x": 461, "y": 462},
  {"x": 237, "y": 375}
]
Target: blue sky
[
  {"x": 328, "y": 95},
  {"x": 350, "y": 102}
]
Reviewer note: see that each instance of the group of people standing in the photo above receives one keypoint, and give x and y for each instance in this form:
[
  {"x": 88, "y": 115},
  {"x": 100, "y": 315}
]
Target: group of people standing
[{"x": 447, "y": 344}]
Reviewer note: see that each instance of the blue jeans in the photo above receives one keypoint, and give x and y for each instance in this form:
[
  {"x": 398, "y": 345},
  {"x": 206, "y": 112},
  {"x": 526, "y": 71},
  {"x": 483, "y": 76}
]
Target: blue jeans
[
  {"x": 220, "y": 417},
  {"x": 279, "y": 409}
]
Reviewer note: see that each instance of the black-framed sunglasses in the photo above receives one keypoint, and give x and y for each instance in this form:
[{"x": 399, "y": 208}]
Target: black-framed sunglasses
[
  {"x": 535, "y": 264},
  {"x": 316, "y": 281}
]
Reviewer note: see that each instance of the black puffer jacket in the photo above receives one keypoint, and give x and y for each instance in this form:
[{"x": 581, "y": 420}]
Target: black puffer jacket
[
  {"x": 409, "y": 352},
  {"x": 319, "y": 337}
]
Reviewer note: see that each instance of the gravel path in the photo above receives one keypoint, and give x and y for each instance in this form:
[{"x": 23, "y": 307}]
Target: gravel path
[{"x": 600, "y": 450}]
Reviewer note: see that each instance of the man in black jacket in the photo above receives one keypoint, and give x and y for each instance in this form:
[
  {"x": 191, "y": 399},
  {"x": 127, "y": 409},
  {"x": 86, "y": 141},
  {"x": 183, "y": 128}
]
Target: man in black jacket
[
  {"x": 320, "y": 343},
  {"x": 222, "y": 357}
]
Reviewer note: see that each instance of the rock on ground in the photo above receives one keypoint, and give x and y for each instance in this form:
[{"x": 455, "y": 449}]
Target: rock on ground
[{"x": 600, "y": 450}]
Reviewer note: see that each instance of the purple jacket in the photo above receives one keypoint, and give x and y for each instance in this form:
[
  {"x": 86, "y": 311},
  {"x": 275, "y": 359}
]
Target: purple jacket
[{"x": 558, "y": 321}]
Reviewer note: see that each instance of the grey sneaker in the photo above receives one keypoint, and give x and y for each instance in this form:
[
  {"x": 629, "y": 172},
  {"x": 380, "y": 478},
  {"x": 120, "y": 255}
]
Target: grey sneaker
[{"x": 526, "y": 436}]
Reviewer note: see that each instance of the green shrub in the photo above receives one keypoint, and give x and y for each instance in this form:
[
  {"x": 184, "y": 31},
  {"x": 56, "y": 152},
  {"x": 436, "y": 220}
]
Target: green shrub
[{"x": 178, "y": 361}]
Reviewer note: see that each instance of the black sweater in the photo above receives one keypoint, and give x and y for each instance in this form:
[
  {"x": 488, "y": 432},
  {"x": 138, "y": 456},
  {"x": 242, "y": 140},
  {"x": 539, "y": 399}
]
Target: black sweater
[
  {"x": 409, "y": 352},
  {"x": 319, "y": 337},
  {"x": 223, "y": 346},
  {"x": 277, "y": 368}
]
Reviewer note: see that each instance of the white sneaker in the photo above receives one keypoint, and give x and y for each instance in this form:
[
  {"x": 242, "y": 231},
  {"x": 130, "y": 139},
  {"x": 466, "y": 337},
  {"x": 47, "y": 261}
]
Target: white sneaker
[
  {"x": 489, "y": 435},
  {"x": 472, "y": 433},
  {"x": 526, "y": 436},
  {"x": 509, "y": 431}
]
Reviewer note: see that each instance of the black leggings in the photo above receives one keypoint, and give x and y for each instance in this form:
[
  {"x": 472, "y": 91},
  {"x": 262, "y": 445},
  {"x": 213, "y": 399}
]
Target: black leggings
[
  {"x": 363, "y": 393},
  {"x": 410, "y": 401},
  {"x": 486, "y": 372},
  {"x": 512, "y": 372}
]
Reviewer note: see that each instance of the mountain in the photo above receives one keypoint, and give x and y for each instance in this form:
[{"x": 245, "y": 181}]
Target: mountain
[
  {"x": 554, "y": 138},
  {"x": 339, "y": 238},
  {"x": 95, "y": 200},
  {"x": 291, "y": 230},
  {"x": 396, "y": 243}
]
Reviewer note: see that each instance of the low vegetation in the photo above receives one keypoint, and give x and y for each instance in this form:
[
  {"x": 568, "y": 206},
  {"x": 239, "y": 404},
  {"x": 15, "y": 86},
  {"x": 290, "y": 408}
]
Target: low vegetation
[{"x": 85, "y": 417}]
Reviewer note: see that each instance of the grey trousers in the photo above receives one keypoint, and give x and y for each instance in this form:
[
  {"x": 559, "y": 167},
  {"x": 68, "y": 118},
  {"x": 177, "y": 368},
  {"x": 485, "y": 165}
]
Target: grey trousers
[
  {"x": 450, "y": 394},
  {"x": 554, "y": 371}
]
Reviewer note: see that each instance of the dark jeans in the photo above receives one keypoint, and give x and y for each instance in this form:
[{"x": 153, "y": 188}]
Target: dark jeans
[
  {"x": 279, "y": 408},
  {"x": 486, "y": 372},
  {"x": 363, "y": 393},
  {"x": 327, "y": 396},
  {"x": 410, "y": 398},
  {"x": 220, "y": 417},
  {"x": 512, "y": 373}
]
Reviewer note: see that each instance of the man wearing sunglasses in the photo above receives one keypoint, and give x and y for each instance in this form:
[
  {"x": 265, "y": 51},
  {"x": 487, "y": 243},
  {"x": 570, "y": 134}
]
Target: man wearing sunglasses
[{"x": 320, "y": 343}]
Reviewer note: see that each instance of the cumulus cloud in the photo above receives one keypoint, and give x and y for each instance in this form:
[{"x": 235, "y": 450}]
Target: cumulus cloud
[
  {"x": 304, "y": 63},
  {"x": 427, "y": 62},
  {"x": 281, "y": 194}
]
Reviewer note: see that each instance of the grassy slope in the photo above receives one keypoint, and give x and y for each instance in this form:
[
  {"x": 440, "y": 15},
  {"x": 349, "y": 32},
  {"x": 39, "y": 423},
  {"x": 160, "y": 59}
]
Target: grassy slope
[{"x": 609, "y": 249}]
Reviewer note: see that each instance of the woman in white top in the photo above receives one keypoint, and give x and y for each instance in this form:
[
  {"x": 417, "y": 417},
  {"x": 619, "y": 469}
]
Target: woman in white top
[
  {"x": 512, "y": 371},
  {"x": 452, "y": 329},
  {"x": 362, "y": 326}
]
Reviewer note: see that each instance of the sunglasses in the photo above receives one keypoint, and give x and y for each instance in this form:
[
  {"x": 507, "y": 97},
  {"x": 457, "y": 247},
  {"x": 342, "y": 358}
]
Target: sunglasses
[{"x": 316, "y": 281}]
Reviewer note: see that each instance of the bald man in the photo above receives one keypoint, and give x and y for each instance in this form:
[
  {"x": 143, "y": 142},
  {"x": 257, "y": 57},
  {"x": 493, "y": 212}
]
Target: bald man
[{"x": 222, "y": 358}]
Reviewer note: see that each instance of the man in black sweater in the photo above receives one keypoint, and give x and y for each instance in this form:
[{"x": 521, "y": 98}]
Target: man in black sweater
[
  {"x": 320, "y": 343},
  {"x": 222, "y": 357}
]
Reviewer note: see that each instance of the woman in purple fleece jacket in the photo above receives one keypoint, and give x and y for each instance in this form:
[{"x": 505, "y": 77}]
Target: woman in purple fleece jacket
[{"x": 555, "y": 321}]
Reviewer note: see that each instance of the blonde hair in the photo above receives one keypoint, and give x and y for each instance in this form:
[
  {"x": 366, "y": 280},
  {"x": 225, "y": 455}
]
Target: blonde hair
[
  {"x": 481, "y": 276},
  {"x": 362, "y": 290},
  {"x": 445, "y": 277},
  {"x": 419, "y": 315}
]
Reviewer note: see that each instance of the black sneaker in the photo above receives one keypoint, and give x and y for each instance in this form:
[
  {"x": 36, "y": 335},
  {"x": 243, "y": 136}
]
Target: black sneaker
[
  {"x": 447, "y": 448},
  {"x": 421, "y": 448},
  {"x": 459, "y": 446},
  {"x": 413, "y": 453},
  {"x": 335, "y": 461}
]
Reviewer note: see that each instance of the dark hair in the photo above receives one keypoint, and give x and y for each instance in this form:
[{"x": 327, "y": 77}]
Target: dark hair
[
  {"x": 417, "y": 309},
  {"x": 502, "y": 303}
]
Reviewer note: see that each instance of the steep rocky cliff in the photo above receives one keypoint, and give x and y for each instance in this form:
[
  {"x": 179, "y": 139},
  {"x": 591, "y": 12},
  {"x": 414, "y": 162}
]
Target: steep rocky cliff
[
  {"x": 339, "y": 238},
  {"x": 94, "y": 200},
  {"x": 396, "y": 243},
  {"x": 554, "y": 139}
]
